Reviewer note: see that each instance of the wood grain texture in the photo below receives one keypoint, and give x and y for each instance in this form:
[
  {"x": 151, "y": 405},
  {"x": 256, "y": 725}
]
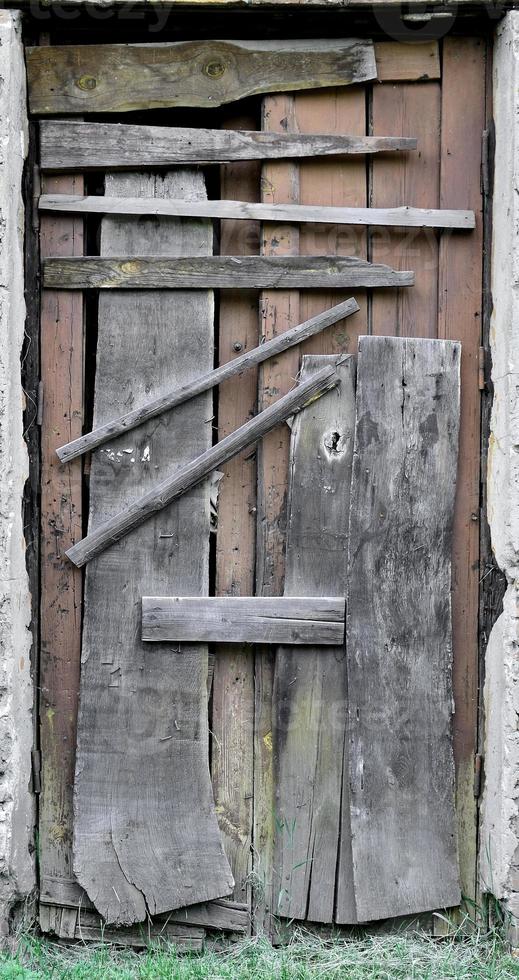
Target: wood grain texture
[
  {"x": 407, "y": 62},
  {"x": 310, "y": 691},
  {"x": 86, "y": 146},
  {"x": 184, "y": 478},
  {"x": 362, "y": 5},
  {"x": 146, "y": 838},
  {"x": 401, "y": 217},
  {"x": 123, "y": 77},
  {"x": 232, "y": 368},
  {"x": 61, "y": 526},
  {"x": 398, "y": 627},
  {"x": 459, "y": 318},
  {"x": 220, "y": 272},
  {"x": 243, "y": 619}
]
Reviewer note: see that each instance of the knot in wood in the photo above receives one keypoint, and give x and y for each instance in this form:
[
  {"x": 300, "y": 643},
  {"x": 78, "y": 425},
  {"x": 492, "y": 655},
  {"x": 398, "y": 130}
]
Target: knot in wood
[
  {"x": 87, "y": 83},
  {"x": 214, "y": 69}
]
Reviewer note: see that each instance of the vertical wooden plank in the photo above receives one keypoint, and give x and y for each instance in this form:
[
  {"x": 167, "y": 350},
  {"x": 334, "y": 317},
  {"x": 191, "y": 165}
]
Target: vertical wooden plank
[
  {"x": 233, "y": 683},
  {"x": 61, "y": 527},
  {"x": 146, "y": 838},
  {"x": 412, "y": 179},
  {"x": 460, "y": 306},
  {"x": 399, "y": 628},
  {"x": 310, "y": 689}
]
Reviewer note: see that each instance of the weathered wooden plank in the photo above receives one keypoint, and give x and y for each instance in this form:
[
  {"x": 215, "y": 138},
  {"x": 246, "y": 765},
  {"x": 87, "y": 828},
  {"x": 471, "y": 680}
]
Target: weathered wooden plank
[
  {"x": 62, "y": 369},
  {"x": 220, "y": 272},
  {"x": 180, "y": 395},
  {"x": 191, "y": 474},
  {"x": 144, "y": 817},
  {"x": 89, "y": 927},
  {"x": 401, "y": 217},
  {"x": 398, "y": 627},
  {"x": 310, "y": 693},
  {"x": 123, "y": 77},
  {"x": 399, "y": 61},
  {"x": 241, "y": 619},
  {"x": 86, "y": 146}
]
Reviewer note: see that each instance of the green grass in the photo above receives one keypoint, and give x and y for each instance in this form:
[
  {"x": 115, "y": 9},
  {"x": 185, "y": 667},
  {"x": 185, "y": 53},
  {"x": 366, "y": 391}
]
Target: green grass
[{"x": 395, "y": 957}]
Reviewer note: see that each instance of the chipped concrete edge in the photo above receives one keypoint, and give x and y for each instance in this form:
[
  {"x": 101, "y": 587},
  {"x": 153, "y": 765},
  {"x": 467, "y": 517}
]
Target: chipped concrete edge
[
  {"x": 17, "y": 873},
  {"x": 499, "y": 828}
]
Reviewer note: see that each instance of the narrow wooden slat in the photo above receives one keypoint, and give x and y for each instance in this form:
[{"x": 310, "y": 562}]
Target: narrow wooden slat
[
  {"x": 191, "y": 474},
  {"x": 400, "y": 217},
  {"x": 243, "y": 620},
  {"x": 62, "y": 369},
  {"x": 399, "y": 61},
  {"x": 398, "y": 627},
  {"x": 144, "y": 820},
  {"x": 91, "y": 928},
  {"x": 124, "y": 77},
  {"x": 310, "y": 693},
  {"x": 220, "y": 272},
  {"x": 86, "y": 146},
  {"x": 180, "y": 395}
]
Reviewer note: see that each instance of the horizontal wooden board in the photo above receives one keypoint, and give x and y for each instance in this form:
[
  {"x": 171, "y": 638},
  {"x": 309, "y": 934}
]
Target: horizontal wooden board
[
  {"x": 75, "y": 145},
  {"x": 399, "y": 61},
  {"x": 220, "y": 272},
  {"x": 230, "y": 619},
  {"x": 292, "y": 213},
  {"x": 123, "y": 77},
  {"x": 341, "y": 5},
  {"x": 90, "y": 927}
]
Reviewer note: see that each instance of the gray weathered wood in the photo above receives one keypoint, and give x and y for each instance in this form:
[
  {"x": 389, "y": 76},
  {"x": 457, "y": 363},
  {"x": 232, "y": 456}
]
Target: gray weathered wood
[
  {"x": 293, "y": 213},
  {"x": 310, "y": 691},
  {"x": 89, "y": 927},
  {"x": 188, "y": 476},
  {"x": 86, "y": 146},
  {"x": 220, "y": 272},
  {"x": 241, "y": 619},
  {"x": 121, "y": 77},
  {"x": 144, "y": 821},
  {"x": 399, "y": 631},
  {"x": 238, "y": 365}
]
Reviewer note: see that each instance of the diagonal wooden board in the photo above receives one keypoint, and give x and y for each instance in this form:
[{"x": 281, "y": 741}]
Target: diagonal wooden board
[
  {"x": 310, "y": 686},
  {"x": 399, "y": 630},
  {"x": 146, "y": 838}
]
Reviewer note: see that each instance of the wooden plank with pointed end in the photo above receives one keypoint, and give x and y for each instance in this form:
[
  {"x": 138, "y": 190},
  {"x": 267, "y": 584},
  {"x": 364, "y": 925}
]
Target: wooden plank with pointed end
[
  {"x": 310, "y": 694},
  {"x": 96, "y": 146},
  {"x": 124, "y": 77},
  {"x": 398, "y": 627},
  {"x": 180, "y": 395},
  {"x": 242, "y": 210},
  {"x": 231, "y": 619},
  {"x": 144, "y": 819},
  {"x": 220, "y": 272},
  {"x": 190, "y": 475}
]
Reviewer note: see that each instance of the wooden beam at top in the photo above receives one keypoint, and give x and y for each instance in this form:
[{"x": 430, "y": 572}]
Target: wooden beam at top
[
  {"x": 124, "y": 77},
  {"x": 72, "y": 145},
  {"x": 291, "y": 213}
]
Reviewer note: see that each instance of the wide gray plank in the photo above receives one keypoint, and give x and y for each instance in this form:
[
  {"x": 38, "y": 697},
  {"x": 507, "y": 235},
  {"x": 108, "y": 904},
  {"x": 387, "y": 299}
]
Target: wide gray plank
[
  {"x": 399, "y": 631},
  {"x": 241, "y": 619},
  {"x": 85, "y": 146},
  {"x": 83, "y": 78},
  {"x": 220, "y": 272},
  {"x": 292, "y": 213},
  {"x": 310, "y": 690},
  {"x": 146, "y": 838}
]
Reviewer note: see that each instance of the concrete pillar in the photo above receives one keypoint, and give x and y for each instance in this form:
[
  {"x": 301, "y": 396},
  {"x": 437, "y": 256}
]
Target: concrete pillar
[
  {"x": 499, "y": 838},
  {"x": 17, "y": 876}
]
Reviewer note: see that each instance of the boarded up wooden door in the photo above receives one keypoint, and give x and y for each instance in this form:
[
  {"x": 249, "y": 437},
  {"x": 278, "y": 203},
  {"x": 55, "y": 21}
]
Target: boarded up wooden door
[{"x": 418, "y": 95}]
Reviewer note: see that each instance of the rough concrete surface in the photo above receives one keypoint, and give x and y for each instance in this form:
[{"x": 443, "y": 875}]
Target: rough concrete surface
[
  {"x": 499, "y": 838},
  {"x": 16, "y": 692}
]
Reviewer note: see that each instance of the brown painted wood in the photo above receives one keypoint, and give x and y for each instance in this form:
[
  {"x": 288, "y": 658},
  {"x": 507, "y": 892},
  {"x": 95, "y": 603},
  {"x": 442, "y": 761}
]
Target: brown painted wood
[
  {"x": 301, "y": 621},
  {"x": 75, "y": 145},
  {"x": 191, "y": 474},
  {"x": 295, "y": 213},
  {"x": 407, "y": 62},
  {"x": 144, "y": 821},
  {"x": 123, "y": 77},
  {"x": 178, "y": 396},
  {"x": 399, "y": 628},
  {"x": 460, "y": 306},
  {"x": 310, "y": 693},
  {"x": 220, "y": 272},
  {"x": 61, "y": 526}
]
